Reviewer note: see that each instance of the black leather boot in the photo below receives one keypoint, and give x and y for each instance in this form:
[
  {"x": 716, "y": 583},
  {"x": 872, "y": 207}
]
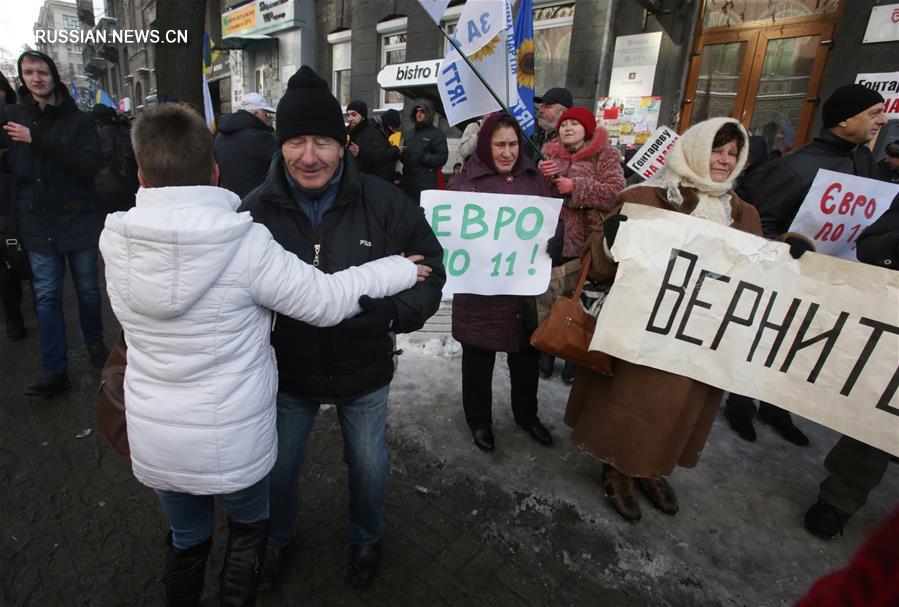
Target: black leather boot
[
  {"x": 184, "y": 573},
  {"x": 244, "y": 557}
]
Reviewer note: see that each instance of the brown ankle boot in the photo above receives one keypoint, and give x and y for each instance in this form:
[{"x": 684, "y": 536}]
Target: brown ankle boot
[
  {"x": 660, "y": 494},
  {"x": 619, "y": 490}
]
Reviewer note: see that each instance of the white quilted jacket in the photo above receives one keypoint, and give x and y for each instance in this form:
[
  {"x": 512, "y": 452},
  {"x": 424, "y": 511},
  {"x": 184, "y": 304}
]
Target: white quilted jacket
[{"x": 191, "y": 282}]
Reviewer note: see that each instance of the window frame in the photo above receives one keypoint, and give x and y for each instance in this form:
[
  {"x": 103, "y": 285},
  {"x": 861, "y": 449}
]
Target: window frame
[{"x": 386, "y": 29}]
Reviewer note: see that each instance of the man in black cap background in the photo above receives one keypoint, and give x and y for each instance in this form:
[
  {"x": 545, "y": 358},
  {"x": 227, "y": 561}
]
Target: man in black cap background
[
  {"x": 368, "y": 144},
  {"x": 424, "y": 153},
  {"x": 852, "y": 116},
  {"x": 318, "y": 205},
  {"x": 888, "y": 167},
  {"x": 552, "y": 103},
  {"x": 53, "y": 150}
]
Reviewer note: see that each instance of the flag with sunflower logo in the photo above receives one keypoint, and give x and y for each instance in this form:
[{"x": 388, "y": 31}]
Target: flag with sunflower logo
[
  {"x": 524, "y": 57},
  {"x": 485, "y": 34}
]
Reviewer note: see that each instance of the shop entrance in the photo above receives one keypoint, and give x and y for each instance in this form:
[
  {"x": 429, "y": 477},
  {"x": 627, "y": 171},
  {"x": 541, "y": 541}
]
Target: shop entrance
[{"x": 766, "y": 76}]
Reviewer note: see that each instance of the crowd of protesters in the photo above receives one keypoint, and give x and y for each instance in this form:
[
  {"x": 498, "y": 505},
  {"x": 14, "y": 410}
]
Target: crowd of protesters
[{"x": 244, "y": 265}]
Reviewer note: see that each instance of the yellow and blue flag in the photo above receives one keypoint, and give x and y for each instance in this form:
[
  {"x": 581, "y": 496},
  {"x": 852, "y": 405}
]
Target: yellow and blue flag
[{"x": 103, "y": 97}]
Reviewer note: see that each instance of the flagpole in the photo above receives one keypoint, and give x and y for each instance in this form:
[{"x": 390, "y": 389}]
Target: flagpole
[{"x": 487, "y": 84}]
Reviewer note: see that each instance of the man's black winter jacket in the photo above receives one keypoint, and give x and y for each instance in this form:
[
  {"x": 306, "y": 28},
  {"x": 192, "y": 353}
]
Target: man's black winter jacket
[
  {"x": 778, "y": 188},
  {"x": 54, "y": 176},
  {"x": 369, "y": 219},
  {"x": 376, "y": 156},
  {"x": 244, "y": 147}
]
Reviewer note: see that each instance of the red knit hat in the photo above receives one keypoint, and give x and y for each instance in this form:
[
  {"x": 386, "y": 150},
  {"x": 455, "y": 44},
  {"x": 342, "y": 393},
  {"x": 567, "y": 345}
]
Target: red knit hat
[{"x": 582, "y": 115}]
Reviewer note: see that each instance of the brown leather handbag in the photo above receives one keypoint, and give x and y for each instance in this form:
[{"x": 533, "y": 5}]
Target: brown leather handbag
[
  {"x": 111, "y": 398},
  {"x": 567, "y": 331}
]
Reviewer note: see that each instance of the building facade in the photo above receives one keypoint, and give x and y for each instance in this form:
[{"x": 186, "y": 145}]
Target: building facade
[{"x": 55, "y": 16}]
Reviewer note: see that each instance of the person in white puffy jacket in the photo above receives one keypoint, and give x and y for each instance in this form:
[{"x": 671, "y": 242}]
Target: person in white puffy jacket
[{"x": 192, "y": 283}]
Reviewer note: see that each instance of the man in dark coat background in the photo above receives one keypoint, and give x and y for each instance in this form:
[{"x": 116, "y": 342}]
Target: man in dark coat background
[
  {"x": 318, "y": 205},
  {"x": 368, "y": 144},
  {"x": 53, "y": 151},
  {"x": 10, "y": 284},
  {"x": 424, "y": 153},
  {"x": 245, "y": 144},
  {"x": 852, "y": 116}
]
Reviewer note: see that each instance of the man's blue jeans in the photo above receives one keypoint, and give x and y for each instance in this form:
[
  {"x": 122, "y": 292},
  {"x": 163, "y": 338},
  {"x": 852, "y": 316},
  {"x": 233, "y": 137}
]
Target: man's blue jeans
[
  {"x": 48, "y": 276},
  {"x": 364, "y": 425},
  {"x": 192, "y": 517}
]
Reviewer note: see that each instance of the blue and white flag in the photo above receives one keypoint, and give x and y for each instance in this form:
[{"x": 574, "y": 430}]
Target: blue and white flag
[
  {"x": 434, "y": 8},
  {"x": 524, "y": 57},
  {"x": 485, "y": 34}
]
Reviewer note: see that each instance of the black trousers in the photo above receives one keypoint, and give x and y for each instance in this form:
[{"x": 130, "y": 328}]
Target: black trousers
[
  {"x": 477, "y": 385},
  {"x": 10, "y": 296},
  {"x": 743, "y": 406},
  {"x": 855, "y": 469}
]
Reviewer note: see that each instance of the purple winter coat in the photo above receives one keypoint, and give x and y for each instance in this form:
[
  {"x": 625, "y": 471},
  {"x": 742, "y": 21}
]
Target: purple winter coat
[{"x": 502, "y": 323}]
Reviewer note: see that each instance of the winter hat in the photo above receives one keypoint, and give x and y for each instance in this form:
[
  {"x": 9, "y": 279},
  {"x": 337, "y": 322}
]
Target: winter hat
[
  {"x": 846, "y": 102},
  {"x": 892, "y": 149},
  {"x": 360, "y": 107},
  {"x": 582, "y": 115},
  {"x": 58, "y": 86},
  {"x": 392, "y": 118},
  {"x": 309, "y": 108}
]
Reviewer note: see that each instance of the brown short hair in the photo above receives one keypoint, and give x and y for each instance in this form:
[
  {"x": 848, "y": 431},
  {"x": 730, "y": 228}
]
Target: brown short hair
[
  {"x": 729, "y": 132},
  {"x": 173, "y": 146}
]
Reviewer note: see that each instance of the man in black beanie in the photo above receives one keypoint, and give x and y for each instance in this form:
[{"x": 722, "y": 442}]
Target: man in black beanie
[
  {"x": 368, "y": 144},
  {"x": 318, "y": 205},
  {"x": 852, "y": 116}
]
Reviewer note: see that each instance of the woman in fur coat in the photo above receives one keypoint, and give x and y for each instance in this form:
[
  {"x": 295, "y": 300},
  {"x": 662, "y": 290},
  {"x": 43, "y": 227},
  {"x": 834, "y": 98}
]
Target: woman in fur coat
[
  {"x": 585, "y": 171},
  {"x": 642, "y": 422}
]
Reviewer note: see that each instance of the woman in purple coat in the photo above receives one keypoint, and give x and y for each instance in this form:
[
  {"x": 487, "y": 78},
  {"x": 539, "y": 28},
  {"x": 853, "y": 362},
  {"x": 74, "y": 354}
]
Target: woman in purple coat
[{"x": 485, "y": 325}]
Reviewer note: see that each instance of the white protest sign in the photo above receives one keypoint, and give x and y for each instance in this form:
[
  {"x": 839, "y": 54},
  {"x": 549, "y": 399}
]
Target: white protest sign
[
  {"x": 434, "y": 9},
  {"x": 650, "y": 158},
  {"x": 493, "y": 244},
  {"x": 817, "y": 336},
  {"x": 837, "y": 209},
  {"x": 887, "y": 84}
]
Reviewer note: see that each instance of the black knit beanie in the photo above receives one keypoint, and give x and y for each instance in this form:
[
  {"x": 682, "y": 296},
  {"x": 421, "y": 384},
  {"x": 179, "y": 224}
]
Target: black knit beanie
[
  {"x": 309, "y": 108},
  {"x": 360, "y": 107},
  {"x": 58, "y": 86},
  {"x": 846, "y": 102}
]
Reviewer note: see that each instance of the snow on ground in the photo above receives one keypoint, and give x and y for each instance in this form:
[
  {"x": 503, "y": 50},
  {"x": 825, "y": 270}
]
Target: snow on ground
[{"x": 738, "y": 534}]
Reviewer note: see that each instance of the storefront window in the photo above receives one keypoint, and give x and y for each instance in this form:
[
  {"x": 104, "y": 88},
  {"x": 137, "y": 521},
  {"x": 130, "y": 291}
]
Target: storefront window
[
  {"x": 393, "y": 51},
  {"x": 730, "y": 13}
]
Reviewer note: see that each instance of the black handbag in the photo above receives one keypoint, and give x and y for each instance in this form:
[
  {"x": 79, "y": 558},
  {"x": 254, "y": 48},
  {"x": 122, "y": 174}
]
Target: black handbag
[{"x": 11, "y": 252}]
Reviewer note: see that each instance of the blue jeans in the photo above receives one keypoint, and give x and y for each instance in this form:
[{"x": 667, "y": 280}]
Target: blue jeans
[
  {"x": 364, "y": 425},
  {"x": 48, "y": 276},
  {"x": 192, "y": 517}
]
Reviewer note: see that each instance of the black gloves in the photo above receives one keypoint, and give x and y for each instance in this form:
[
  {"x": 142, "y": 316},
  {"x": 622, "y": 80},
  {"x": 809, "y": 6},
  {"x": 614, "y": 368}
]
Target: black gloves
[
  {"x": 798, "y": 246},
  {"x": 610, "y": 227},
  {"x": 554, "y": 247},
  {"x": 378, "y": 316}
]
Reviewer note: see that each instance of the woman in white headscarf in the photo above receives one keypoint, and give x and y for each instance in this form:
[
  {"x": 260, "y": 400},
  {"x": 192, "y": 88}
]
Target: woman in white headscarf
[{"x": 642, "y": 422}]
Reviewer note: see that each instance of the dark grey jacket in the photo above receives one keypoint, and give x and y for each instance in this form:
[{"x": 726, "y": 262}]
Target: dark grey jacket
[{"x": 425, "y": 154}]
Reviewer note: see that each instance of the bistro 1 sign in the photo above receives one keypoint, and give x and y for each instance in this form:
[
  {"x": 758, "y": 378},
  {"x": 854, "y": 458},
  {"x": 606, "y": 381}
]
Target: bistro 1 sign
[
  {"x": 417, "y": 73},
  {"x": 259, "y": 17}
]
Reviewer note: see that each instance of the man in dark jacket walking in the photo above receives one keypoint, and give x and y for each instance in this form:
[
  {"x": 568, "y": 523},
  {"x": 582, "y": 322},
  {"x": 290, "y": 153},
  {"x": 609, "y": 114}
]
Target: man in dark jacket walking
[
  {"x": 368, "y": 144},
  {"x": 424, "y": 153},
  {"x": 852, "y": 116},
  {"x": 116, "y": 182},
  {"x": 245, "y": 145},
  {"x": 10, "y": 284},
  {"x": 53, "y": 151},
  {"x": 319, "y": 206}
]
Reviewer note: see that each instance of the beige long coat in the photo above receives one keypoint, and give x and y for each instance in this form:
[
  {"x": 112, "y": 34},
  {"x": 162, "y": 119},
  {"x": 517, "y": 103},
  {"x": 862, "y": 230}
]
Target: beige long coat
[{"x": 645, "y": 421}]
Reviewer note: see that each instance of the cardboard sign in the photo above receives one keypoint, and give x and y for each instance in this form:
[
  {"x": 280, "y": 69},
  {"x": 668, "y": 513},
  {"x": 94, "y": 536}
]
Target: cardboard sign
[
  {"x": 493, "y": 244},
  {"x": 650, "y": 158},
  {"x": 837, "y": 209},
  {"x": 887, "y": 84},
  {"x": 817, "y": 336}
]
